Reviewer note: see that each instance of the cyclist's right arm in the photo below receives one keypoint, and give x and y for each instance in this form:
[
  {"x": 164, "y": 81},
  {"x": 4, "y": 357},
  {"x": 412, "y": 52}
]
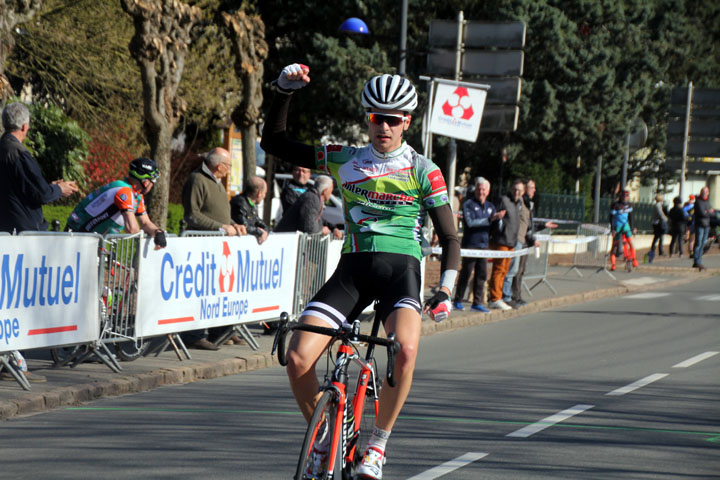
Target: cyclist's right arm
[{"x": 275, "y": 140}]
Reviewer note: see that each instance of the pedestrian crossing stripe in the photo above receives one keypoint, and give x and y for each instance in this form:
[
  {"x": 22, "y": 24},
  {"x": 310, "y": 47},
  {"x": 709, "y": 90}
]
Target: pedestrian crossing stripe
[
  {"x": 646, "y": 295},
  {"x": 641, "y": 281},
  {"x": 709, "y": 298}
]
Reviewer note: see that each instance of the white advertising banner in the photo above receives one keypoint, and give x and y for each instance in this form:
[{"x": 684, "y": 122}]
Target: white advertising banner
[
  {"x": 200, "y": 282},
  {"x": 48, "y": 291},
  {"x": 457, "y": 111}
]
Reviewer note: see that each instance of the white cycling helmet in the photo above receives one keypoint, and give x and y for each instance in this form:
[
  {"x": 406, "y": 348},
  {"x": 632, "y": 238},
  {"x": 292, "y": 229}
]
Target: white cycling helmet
[{"x": 389, "y": 92}]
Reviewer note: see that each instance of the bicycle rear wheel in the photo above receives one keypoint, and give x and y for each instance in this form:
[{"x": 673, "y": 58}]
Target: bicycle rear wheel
[{"x": 321, "y": 423}]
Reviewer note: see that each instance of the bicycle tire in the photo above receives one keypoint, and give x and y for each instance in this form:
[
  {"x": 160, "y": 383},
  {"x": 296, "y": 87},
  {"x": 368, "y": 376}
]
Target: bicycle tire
[
  {"x": 63, "y": 355},
  {"x": 129, "y": 351},
  {"x": 325, "y": 413}
]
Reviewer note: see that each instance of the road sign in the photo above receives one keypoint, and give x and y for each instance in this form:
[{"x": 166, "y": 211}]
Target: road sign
[
  {"x": 457, "y": 111},
  {"x": 499, "y": 63},
  {"x": 500, "y": 118},
  {"x": 443, "y": 33}
]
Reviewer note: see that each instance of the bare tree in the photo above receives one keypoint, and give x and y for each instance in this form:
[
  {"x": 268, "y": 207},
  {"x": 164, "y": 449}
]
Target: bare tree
[
  {"x": 247, "y": 33},
  {"x": 12, "y": 13},
  {"x": 160, "y": 45}
]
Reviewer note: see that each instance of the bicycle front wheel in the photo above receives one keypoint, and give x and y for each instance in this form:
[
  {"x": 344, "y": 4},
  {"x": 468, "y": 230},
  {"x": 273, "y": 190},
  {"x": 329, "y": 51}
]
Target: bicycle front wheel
[
  {"x": 365, "y": 428},
  {"x": 322, "y": 424}
]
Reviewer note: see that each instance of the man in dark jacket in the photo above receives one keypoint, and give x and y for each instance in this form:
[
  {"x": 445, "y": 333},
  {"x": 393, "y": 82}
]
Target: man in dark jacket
[
  {"x": 678, "y": 224},
  {"x": 243, "y": 208},
  {"x": 504, "y": 238},
  {"x": 23, "y": 189},
  {"x": 295, "y": 187},
  {"x": 478, "y": 213},
  {"x": 305, "y": 215},
  {"x": 703, "y": 210}
]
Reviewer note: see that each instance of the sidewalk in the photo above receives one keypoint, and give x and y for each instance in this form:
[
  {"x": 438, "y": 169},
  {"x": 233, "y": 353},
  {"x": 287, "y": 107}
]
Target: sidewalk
[{"x": 89, "y": 381}]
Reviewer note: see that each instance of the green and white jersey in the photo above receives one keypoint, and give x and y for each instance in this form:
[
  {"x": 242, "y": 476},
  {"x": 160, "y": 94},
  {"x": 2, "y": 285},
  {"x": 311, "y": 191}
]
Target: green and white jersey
[{"x": 385, "y": 196}]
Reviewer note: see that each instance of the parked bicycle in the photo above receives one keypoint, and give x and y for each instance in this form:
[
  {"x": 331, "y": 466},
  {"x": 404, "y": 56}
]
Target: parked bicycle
[{"x": 346, "y": 417}]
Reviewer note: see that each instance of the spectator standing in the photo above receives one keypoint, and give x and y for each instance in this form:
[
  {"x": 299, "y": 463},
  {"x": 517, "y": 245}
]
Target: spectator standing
[
  {"x": 504, "y": 234},
  {"x": 295, "y": 187},
  {"x": 478, "y": 213},
  {"x": 23, "y": 189},
  {"x": 243, "y": 208},
  {"x": 206, "y": 207},
  {"x": 678, "y": 224},
  {"x": 524, "y": 228},
  {"x": 689, "y": 210},
  {"x": 659, "y": 223},
  {"x": 204, "y": 197},
  {"x": 23, "y": 192},
  {"x": 703, "y": 210},
  {"x": 305, "y": 215},
  {"x": 529, "y": 239}
]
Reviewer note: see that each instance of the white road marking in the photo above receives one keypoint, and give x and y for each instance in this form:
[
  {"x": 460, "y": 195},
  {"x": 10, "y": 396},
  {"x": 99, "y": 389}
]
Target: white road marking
[
  {"x": 450, "y": 466},
  {"x": 641, "y": 281},
  {"x": 640, "y": 383},
  {"x": 549, "y": 421},
  {"x": 696, "y": 359},
  {"x": 709, "y": 298},
  {"x": 648, "y": 295}
]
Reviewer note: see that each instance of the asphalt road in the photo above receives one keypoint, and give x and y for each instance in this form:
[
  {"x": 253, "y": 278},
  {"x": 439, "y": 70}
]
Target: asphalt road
[{"x": 623, "y": 388}]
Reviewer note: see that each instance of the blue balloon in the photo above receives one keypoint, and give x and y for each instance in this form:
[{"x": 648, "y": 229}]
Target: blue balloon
[{"x": 354, "y": 25}]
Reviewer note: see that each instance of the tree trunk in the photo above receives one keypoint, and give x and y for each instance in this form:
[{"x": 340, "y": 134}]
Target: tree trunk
[
  {"x": 248, "y": 36},
  {"x": 12, "y": 13},
  {"x": 160, "y": 45}
]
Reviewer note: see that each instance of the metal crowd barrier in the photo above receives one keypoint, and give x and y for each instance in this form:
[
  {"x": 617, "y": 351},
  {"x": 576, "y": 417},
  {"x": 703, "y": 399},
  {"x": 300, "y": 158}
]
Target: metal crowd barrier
[
  {"x": 311, "y": 269},
  {"x": 592, "y": 245},
  {"x": 203, "y": 233},
  {"x": 537, "y": 266},
  {"x": 241, "y": 329},
  {"x": 78, "y": 353}
]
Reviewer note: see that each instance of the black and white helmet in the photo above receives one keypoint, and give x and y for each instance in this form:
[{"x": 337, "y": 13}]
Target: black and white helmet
[{"x": 389, "y": 92}]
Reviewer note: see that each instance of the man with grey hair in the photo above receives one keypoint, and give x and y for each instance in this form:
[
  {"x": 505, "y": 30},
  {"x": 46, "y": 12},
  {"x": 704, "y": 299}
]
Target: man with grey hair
[
  {"x": 23, "y": 189},
  {"x": 244, "y": 208},
  {"x": 23, "y": 192},
  {"x": 204, "y": 197},
  {"x": 305, "y": 215},
  {"x": 478, "y": 214}
]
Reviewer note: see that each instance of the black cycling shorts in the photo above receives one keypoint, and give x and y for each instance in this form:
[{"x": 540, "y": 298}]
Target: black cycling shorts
[{"x": 393, "y": 279}]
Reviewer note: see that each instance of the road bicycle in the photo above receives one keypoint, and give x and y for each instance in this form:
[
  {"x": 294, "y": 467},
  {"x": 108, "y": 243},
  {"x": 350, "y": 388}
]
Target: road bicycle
[{"x": 348, "y": 417}]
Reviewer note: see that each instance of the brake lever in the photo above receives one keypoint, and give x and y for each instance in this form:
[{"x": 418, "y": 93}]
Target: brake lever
[
  {"x": 392, "y": 350},
  {"x": 279, "y": 341}
]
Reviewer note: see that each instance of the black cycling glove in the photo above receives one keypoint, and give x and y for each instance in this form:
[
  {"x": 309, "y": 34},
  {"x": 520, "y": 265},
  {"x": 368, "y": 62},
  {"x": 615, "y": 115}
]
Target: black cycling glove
[
  {"x": 439, "y": 306},
  {"x": 160, "y": 239}
]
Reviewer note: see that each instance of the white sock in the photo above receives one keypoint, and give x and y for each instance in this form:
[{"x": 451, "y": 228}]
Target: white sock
[{"x": 379, "y": 439}]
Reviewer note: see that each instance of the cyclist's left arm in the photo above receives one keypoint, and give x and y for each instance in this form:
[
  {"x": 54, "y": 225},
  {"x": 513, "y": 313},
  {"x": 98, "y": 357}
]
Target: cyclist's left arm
[{"x": 442, "y": 218}]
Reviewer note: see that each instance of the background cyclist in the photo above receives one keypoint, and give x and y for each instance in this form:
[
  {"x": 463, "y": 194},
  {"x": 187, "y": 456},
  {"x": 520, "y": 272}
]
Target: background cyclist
[
  {"x": 120, "y": 205},
  {"x": 386, "y": 188},
  {"x": 621, "y": 223}
]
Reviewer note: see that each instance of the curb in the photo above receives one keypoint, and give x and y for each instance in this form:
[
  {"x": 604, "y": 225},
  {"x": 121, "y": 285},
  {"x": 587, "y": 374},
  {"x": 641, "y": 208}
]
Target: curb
[{"x": 33, "y": 403}]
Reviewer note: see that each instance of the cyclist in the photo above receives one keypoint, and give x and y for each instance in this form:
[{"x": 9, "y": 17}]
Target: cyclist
[
  {"x": 120, "y": 205},
  {"x": 621, "y": 223},
  {"x": 387, "y": 188}
]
